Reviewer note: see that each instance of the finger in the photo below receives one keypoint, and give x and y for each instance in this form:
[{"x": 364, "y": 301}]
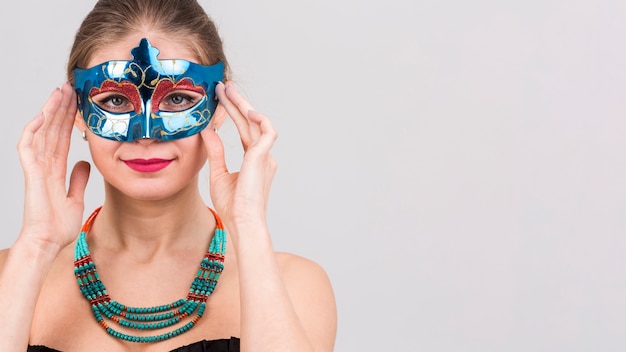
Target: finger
[
  {"x": 25, "y": 143},
  {"x": 55, "y": 117},
  {"x": 268, "y": 134},
  {"x": 78, "y": 181},
  {"x": 215, "y": 153},
  {"x": 49, "y": 109},
  {"x": 240, "y": 121},
  {"x": 29, "y": 154},
  {"x": 59, "y": 128},
  {"x": 243, "y": 106},
  {"x": 67, "y": 112}
]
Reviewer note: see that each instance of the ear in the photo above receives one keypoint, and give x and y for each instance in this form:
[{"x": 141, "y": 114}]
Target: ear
[{"x": 79, "y": 122}]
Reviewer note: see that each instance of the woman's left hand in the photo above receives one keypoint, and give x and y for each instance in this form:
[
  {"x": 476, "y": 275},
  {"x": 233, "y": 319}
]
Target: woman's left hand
[
  {"x": 296, "y": 294},
  {"x": 241, "y": 197}
]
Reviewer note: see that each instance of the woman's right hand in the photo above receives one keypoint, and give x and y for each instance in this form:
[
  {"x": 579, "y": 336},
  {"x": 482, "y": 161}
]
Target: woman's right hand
[{"x": 52, "y": 211}]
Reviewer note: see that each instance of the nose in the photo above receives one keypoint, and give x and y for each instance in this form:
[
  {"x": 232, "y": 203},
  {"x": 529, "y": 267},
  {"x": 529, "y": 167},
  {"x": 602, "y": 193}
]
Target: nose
[{"x": 145, "y": 141}]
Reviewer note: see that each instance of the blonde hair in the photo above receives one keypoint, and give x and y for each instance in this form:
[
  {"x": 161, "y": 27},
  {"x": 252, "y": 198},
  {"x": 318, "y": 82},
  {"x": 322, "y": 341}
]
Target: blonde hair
[{"x": 112, "y": 20}]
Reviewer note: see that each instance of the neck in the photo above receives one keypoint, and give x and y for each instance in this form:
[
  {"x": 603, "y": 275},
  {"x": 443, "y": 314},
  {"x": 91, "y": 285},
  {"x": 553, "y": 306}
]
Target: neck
[{"x": 147, "y": 229}]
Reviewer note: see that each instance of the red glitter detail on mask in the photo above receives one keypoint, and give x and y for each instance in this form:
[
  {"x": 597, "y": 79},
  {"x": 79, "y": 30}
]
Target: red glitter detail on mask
[
  {"x": 128, "y": 89},
  {"x": 166, "y": 86}
]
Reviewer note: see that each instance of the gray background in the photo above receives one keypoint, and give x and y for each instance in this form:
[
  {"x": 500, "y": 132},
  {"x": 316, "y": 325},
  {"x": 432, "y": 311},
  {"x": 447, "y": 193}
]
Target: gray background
[{"x": 456, "y": 166}]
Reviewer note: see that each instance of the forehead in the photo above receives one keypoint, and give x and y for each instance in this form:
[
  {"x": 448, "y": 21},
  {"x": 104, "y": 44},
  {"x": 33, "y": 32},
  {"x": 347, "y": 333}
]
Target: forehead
[{"x": 120, "y": 50}]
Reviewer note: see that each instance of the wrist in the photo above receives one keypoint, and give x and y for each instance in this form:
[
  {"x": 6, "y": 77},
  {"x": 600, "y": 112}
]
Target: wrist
[
  {"x": 36, "y": 248},
  {"x": 248, "y": 228},
  {"x": 249, "y": 233}
]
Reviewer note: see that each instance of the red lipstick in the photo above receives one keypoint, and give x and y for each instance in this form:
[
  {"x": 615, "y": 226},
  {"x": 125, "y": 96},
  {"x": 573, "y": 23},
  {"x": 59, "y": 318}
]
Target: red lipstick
[{"x": 147, "y": 165}]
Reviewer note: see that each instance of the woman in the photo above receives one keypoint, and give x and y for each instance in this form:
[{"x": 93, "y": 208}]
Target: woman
[{"x": 153, "y": 269}]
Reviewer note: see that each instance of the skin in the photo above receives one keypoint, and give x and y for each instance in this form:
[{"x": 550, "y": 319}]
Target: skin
[{"x": 153, "y": 229}]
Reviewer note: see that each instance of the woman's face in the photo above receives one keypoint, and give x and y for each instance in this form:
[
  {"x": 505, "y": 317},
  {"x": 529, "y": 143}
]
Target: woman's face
[{"x": 145, "y": 169}]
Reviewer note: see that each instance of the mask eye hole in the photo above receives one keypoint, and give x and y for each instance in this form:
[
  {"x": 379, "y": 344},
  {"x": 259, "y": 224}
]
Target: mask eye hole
[
  {"x": 114, "y": 102},
  {"x": 118, "y": 98},
  {"x": 177, "y": 96},
  {"x": 179, "y": 100}
]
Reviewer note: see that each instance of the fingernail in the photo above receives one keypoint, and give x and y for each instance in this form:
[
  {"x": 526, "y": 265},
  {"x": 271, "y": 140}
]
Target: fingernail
[{"x": 218, "y": 84}]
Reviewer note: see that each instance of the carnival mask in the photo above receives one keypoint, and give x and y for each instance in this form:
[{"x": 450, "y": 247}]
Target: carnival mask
[{"x": 147, "y": 97}]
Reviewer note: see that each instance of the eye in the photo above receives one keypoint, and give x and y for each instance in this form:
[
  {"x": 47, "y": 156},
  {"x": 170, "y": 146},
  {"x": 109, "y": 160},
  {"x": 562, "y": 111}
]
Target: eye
[
  {"x": 116, "y": 100},
  {"x": 113, "y": 102},
  {"x": 179, "y": 100}
]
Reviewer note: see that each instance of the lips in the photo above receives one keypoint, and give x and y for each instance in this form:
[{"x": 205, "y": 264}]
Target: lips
[{"x": 147, "y": 165}]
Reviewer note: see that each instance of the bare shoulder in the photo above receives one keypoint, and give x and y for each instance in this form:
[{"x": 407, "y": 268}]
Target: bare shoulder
[
  {"x": 4, "y": 253},
  {"x": 290, "y": 262},
  {"x": 303, "y": 272},
  {"x": 312, "y": 296}
]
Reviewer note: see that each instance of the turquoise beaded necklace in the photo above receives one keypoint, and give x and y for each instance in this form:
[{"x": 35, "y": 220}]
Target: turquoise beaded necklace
[{"x": 182, "y": 314}]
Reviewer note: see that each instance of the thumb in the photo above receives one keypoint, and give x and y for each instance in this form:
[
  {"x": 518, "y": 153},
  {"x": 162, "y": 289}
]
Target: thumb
[
  {"x": 78, "y": 180},
  {"x": 215, "y": 152}
]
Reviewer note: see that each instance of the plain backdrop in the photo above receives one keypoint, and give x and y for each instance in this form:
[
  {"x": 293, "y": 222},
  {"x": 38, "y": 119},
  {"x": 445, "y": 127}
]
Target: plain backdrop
[{"x": 457, "y": 167}]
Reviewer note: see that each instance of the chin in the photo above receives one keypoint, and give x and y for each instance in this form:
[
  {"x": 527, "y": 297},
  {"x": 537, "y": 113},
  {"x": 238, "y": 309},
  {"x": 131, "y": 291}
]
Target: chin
[{"x": 146, "y": 190}]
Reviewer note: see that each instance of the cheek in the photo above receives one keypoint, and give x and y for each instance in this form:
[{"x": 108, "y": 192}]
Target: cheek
[
  {"x": 102, "y": 151},
  {"x": 193, "y": 149}
]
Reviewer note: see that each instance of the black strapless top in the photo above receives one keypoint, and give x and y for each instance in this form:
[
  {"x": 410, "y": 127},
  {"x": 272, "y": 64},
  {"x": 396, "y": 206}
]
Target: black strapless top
[{"x": 223, "y": 345}]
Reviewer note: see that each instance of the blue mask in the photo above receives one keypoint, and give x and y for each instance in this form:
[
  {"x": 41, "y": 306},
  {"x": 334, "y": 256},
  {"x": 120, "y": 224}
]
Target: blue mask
[{"x": 147, "y": 97}]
